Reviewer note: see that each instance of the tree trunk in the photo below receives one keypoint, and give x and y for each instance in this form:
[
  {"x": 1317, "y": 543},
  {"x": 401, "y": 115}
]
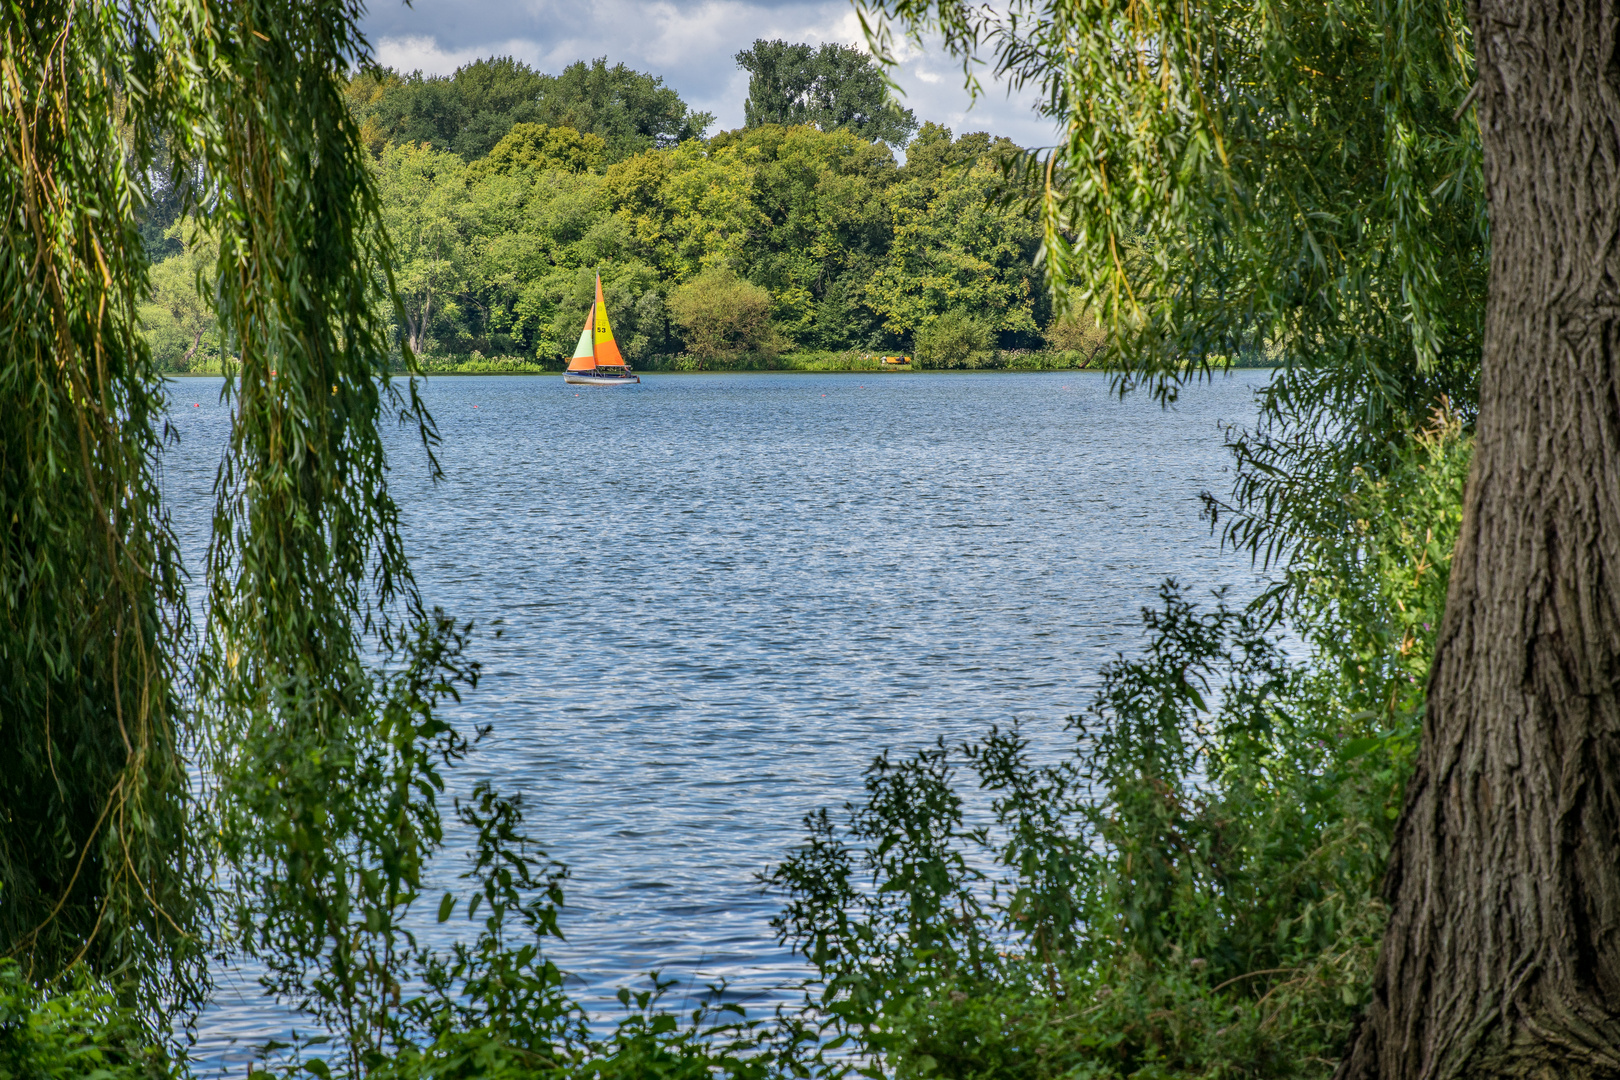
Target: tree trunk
[
  {"x": 1502, "y": 957},
  {"x": 416, "y": 328},
  {"x": 196, "y": 343}
]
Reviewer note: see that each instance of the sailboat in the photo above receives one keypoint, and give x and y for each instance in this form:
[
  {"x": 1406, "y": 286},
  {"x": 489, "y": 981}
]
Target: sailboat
[{"x": 596, "y": 359}]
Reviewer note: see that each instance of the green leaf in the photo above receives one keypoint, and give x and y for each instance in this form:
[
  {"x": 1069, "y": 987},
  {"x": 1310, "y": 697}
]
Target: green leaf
[{"x": 1356, "y": 747}]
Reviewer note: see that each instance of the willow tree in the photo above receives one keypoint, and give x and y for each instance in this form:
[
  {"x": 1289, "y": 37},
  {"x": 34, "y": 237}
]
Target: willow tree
[
  {"x": 95, "y": 860},
  {"x": 1317, "y": 176},
  {"x": 109, "y": 700}
]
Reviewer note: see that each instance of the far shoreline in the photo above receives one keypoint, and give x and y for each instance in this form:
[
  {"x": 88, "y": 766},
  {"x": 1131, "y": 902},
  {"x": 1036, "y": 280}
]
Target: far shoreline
[{"x": 771, "y": 371}]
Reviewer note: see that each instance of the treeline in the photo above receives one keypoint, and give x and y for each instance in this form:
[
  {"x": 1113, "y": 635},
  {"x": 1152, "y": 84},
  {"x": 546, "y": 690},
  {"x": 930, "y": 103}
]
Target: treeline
[{"x": 505, "y": 191}]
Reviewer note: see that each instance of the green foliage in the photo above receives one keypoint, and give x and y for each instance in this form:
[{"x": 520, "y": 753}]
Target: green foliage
[
  {"x": 832, "y": 88},
  {"x": 1372, "y": 596},
  {"x": 477, "y": 363},
  {"x": 723, "y": 317},
  {"x": 106, "y": 853},
  {"x": 80, "y": 1032},
  {"x": 955, "y": 246},
  {"x": 853, "y": 360},
  {"x": 162, "y": 204},
  {"x": 467, "y": 113},
  {"x": 178, "y": 325},
  {"x": 1195, "y": 891},
  {"x": 97, "y": 860},
  {"x": 631, "y": 110},
  {"x": 1222, "y": 882},
  {"x": 423, "y": 194},
  {"x": 687, "y": 209},
  {"x": 953, "y": 340},
  {"x": 498, "y": 257},
  {"x": 490, "y": 96},
  {"x": 1078, "y": 333},
  {"x": 470, "y": 112},
  {"x": 532, "y": 149},
  {"x": 330, "y": 825},
  {"x": 495, "y": 1007},
  {"x": 827, "y": 228}
]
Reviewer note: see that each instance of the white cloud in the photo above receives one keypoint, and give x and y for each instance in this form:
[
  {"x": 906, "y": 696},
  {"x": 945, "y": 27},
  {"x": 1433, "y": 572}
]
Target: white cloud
[{"x": 421, "y": 52}]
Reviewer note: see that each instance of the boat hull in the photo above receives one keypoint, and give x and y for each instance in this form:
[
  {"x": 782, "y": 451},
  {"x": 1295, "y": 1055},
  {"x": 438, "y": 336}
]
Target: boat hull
[{"x": 587, "y": 378}]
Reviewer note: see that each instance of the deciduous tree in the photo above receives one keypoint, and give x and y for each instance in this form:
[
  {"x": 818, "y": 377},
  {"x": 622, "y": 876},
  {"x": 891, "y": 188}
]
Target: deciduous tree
[
  {"x": 956, "y": 246},
  {"x": 175, "y": 318},
  {"x": 834, "y": 88},
  {"x": 1502, "y": 957},
  {"x": 423, "y": 192},
  {"x": 632, "y": 110},
  {"x": 532, "y": 149},
  {"x": 106, "y": 852}
]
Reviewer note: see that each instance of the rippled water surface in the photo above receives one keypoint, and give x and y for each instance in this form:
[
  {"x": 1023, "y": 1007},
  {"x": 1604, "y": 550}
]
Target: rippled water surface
[{"x": 720, "y": 595}]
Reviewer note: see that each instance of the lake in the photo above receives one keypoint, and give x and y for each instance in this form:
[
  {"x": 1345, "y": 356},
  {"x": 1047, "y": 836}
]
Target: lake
[{"x": 720, "y": 595}]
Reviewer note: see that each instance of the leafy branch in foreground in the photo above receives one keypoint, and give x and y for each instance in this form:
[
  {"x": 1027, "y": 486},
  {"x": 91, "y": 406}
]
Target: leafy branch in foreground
[
  {"x": 98, "y": 859},
  {"x": 1194, "y": 890}
]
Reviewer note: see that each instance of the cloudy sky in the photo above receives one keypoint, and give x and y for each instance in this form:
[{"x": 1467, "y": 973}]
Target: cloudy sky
[{"x": 690, "y": 43}]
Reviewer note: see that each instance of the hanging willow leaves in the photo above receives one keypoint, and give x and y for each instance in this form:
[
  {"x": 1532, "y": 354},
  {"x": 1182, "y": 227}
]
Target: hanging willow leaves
[
  {"x": 96, "y": 861},
  {"x": 320, "y": 670},
  {"x": 1288, "y": 177},
  {"x": 309, "y": 706}
]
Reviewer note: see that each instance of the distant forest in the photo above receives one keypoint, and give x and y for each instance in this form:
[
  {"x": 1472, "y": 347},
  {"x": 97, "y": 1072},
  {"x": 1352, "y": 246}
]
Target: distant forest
[{"x": 505, "y": 190}]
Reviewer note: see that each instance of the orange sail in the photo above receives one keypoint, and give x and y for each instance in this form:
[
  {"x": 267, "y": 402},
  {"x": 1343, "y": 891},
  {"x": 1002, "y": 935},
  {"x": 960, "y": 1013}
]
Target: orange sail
[
  {"x": 585, "y": 352},
  {"x": 607, "y": 350}
]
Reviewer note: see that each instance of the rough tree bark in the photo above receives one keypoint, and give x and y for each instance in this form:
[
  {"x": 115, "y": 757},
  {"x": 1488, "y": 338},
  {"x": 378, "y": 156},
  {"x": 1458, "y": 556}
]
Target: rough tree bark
[{"x": 1502, "y": 956}]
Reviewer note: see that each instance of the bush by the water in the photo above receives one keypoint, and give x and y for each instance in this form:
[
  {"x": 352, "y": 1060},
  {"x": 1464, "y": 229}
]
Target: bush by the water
[
  {"x": 1079, "y": 333},
  {"x": 476, "y": 363},
  {"x": 954, "y": 340},
  {"x": 723, "y": 317}
]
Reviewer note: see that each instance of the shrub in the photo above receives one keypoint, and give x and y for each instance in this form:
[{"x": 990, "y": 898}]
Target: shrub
[
  {"x": 722, "y": 317},
  {"x": 954, "y": 340},
  {"x": 1077, "y": 332},
  {"x": 77, "y": 1031}
]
